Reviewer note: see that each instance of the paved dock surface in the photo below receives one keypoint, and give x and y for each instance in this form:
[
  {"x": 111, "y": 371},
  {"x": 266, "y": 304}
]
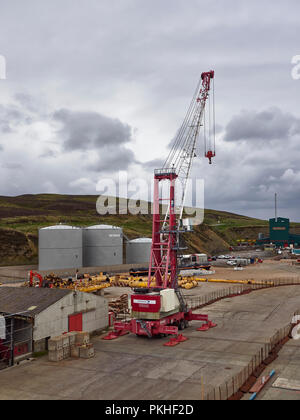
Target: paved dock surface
[
  {"x": 138, "y": 368},
  {"x": 286, "y": 366}
]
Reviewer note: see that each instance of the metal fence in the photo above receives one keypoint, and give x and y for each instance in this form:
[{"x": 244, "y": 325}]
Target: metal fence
[
  {"x": 227, "y": 389},
  {"x": 197, "y": 302},
  {"x": 15, "y": 339}
]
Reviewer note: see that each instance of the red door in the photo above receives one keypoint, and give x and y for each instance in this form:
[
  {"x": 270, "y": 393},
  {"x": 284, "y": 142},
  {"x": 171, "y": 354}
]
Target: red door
[{"x": 75, "y": 322}]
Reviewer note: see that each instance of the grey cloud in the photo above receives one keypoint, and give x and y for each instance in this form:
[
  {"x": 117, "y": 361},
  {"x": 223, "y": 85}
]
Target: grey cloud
[
  {"x": 245, "y": 176},
  {"x": 48, "y": 154},
  {"x": 244, "y": 180},
  {"x": 91, "y": 130},
  {"x": 271, "y": 124},
  {"x": 108, "y": 137},
  {"x": 12, "y": 165},
  {"x": 153, "y": 164},
  {"x": 112, "y": 159},
  {"x": 11, "y": 117},
  {"x": 1, "y": 148},
  {"x": 27, "y": 101},
  {"x": 144, "y": 59}
]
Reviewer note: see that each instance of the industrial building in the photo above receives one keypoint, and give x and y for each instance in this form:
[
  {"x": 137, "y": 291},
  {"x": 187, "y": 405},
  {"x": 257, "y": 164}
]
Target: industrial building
[
  {"x": 279, "y": 234},
  {"x": 33, "y": 315},
  {"x": 60, "y": 247},
  {"x": 138, "y": 251},
  {"x": 102, "y": 245}
]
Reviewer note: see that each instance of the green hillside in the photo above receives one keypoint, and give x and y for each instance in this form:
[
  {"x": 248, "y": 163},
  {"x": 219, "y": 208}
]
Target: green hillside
[{"x": 22, "y": 216}]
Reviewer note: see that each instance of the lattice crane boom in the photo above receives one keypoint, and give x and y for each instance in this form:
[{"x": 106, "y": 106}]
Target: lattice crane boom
[
  {"x": 182, "y": 153},
  {"x": 165, "y": 233}
]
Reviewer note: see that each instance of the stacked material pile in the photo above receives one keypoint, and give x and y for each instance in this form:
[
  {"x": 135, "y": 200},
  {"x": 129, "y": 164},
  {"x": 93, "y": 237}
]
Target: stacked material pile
[
  {"x": 120, "y": 305},
  {"x": 84, "y": 283},
  {"x": 120, "y": 281},
  {"x": 72, "y": 344},
  {"x": 187, "y": 283}
]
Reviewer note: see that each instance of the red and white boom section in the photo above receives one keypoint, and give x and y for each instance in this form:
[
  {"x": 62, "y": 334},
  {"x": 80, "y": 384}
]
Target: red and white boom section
[{"x": 178, "y": 165}]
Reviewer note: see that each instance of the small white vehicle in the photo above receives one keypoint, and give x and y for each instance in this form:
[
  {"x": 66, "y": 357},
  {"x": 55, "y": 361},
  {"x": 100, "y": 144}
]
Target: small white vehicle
[{"x": 231, "y": 262}]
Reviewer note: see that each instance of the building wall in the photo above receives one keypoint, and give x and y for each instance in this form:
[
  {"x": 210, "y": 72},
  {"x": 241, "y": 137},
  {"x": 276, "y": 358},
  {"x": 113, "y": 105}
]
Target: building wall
[
  {"x": 279, "y": 230},
  {"x": 54, "y": 320}
]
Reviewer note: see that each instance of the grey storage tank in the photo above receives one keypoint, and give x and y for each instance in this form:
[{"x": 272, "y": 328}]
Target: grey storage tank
[
  {"x": 138, "y": 251},
  {"x": 102, "y": 245},
  {"x": 60, "y": 247}
]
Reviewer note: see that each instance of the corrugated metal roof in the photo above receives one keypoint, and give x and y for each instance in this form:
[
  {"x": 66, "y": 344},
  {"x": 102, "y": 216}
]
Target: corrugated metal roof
[{"x": 34, "y": 300}]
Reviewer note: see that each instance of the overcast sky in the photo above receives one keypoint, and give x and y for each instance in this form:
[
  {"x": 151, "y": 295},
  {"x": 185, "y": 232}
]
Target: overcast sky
[{"x": 97, "y": 86}]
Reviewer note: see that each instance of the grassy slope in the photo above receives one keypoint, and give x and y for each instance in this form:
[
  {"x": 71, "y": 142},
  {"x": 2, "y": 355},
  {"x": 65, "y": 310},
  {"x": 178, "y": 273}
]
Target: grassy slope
[{"x": 22, "y": 216}]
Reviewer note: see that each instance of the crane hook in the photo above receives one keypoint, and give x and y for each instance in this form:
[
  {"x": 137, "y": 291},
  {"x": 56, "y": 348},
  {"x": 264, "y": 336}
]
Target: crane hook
[{"x": 210, "y": 154}]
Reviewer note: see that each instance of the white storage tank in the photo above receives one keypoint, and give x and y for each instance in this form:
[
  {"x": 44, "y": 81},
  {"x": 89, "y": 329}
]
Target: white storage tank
[
  {"x": 102, "y": 245},
  {"x": 60, "y": 247},
  {"x": 138, "y": 251}
]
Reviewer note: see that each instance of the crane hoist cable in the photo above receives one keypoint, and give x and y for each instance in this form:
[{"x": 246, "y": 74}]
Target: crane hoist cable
[{"x": 201, "y": 112}]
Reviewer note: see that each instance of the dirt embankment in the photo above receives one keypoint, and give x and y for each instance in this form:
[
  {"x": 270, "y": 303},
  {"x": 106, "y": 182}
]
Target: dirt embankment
[
  {"x": 205, "y": 240},
  {"x": 17, "y": 247},
  {"x": 232, "y": 234}
]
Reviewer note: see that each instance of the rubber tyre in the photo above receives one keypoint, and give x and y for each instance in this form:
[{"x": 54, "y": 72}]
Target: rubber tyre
[{"x": 181, "y": 325}]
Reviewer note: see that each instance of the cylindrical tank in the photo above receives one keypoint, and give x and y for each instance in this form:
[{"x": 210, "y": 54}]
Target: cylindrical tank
[
  {"x": 60, "y": 247},
  {"x": 138, "y": 251},
  {"x": 102, "y": 245}
]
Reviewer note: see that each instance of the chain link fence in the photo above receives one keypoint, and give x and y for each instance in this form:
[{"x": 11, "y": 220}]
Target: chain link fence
[{"x": 15, "y": 339}]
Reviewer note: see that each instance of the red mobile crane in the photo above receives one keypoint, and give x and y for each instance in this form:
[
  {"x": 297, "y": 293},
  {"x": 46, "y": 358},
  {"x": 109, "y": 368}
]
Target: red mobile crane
[{"x": 162, "y": 309}]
